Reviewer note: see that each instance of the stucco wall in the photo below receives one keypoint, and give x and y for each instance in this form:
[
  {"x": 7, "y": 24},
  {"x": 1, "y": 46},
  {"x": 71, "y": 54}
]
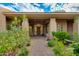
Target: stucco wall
[
  {"x": 76, "y": 25},
  {"x": 2, "y": 22},
  {"x": 62, "y": 23},
  {"x": 52, "y": 25}
]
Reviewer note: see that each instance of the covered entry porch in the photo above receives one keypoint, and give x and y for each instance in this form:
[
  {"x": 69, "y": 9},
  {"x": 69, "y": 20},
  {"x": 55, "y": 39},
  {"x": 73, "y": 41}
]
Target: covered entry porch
[
  {"x": 38, "y": 27},
  {"x": 39, "y": 24}
]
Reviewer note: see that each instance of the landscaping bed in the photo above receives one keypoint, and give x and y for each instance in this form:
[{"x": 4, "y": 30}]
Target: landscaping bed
[
  {"x": 63, "y": 45},
  {"x": 13, "y": 42}
]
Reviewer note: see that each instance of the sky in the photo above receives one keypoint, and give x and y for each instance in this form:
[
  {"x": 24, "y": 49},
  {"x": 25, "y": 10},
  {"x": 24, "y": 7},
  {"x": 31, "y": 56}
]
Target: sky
[{"x": 41, "y": 7}]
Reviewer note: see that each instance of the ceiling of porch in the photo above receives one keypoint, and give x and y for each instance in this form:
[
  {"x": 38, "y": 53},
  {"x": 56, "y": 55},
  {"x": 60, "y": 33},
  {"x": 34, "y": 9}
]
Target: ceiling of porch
[
  {"x": 39, "y": 15},
  {"x": 39, "y": 21}
]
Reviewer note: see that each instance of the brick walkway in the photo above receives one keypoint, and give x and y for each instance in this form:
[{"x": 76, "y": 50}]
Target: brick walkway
[{"x": 39, "y": 47}]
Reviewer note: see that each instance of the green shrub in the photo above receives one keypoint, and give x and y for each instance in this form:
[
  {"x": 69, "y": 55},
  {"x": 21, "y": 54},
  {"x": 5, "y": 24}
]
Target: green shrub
[
  {"x": 11, "y": 40},
  {"x": 52, "y": 42},
  {"x": 53, "y": 33},
  {"x": 68, "y": 51},
  {"x": 75, "y": 44},
  {"x": 62, "y": 35},
  {"x": 76, "y": 48},
  {"x": 23, "y": 52},
  {"x": 76, "y": 38},
  {"x": 61, "y": 50},
  {"x": 14, "y": 38},
  {"x": 58, "y": 48}
]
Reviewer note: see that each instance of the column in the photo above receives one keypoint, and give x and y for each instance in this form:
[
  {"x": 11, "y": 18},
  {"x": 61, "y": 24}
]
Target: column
[
  {"x": 33, "y": 30},
  {"x": 41, "y": 29},
  {"x": 44, "y": 29},
  {"x": 25, "y": 25},
  {"x": 52, "y": 26},
  {"x": 76, "y": 25},
  {"x": 2, "y": 22}
]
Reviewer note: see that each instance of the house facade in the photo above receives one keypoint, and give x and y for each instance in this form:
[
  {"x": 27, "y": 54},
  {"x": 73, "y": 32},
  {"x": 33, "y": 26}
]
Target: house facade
[{"x": 40, "y": 23}]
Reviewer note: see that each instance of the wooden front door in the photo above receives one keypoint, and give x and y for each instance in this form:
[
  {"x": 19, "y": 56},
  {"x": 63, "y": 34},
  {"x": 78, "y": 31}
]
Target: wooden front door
[{"x": 38, "y": 30}]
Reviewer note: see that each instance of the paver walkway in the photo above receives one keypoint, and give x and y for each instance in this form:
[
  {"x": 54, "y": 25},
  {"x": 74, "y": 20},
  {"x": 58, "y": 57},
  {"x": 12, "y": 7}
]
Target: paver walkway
[{"x": 39, "y": 47}]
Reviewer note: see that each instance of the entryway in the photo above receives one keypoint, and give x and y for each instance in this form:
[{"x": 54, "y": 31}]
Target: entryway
[
  {"x": 39, "y": 47},
  {"x": 38, "y": 31},
  {"x": 38, "y": 27}
]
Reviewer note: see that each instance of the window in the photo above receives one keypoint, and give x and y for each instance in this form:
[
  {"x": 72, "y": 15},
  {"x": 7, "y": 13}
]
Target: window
[{"x": 59, "y": 27}]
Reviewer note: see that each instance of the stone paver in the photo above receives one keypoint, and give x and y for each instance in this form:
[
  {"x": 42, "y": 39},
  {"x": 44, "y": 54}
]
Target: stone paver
[{"x": 39, "y": 47}]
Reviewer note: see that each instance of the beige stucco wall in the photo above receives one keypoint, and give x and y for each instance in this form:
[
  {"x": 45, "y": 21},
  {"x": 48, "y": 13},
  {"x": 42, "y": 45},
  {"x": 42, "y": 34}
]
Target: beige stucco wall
[
  {"x": 52, "y": 25},
  {"x": 76, "y": 24},
  {"x": 25, "y": 24},
  {"x": 2, "y": 22},
  {"x": 62, "y": 23}
]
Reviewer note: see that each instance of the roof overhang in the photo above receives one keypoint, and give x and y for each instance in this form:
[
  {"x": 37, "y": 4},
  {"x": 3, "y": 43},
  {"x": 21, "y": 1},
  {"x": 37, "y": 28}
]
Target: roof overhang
[
  {"x": 42, "y": 15},
  {"x": 2, "y": 9}
]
